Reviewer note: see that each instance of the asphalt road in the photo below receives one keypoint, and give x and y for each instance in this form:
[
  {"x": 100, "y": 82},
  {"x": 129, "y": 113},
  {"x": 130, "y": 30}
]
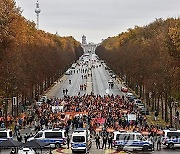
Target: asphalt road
[{"x": 100, "y": 78}]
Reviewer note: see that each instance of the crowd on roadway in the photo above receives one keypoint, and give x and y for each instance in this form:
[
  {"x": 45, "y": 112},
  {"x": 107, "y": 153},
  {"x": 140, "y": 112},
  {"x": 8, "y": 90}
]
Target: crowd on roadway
[{"x": 104, "y": 115}]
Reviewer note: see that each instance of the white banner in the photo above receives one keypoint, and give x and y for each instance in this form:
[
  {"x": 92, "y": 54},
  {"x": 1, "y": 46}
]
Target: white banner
[
  {"x": 57, "y": 108},
  {"x": 131, "y": 117}
]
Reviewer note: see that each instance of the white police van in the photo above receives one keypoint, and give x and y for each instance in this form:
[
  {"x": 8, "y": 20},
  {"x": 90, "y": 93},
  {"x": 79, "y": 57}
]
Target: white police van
[
  {"x": 52, "y": 136},
  {"x": 132, "y": 140},
  {"x": 78, "y": 140},
  {"x": 171, "y": 137},
  {"x": 5, "y": 134}
]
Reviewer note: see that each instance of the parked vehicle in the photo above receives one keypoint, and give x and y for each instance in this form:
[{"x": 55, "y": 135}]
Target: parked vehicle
[
  {"x": 52, "y": 136},
  {"x": 43, "y": 99},
  {"x": 133, "y": 140},
  {"x": 5, "y": 134},
  {"x": 78, "y": 140},
  {"x": 171, "y": 138},
  {"x": 144, "y": 111},
  {"x": 67, "y": 72},
  {"x": 124, "y": 89}
]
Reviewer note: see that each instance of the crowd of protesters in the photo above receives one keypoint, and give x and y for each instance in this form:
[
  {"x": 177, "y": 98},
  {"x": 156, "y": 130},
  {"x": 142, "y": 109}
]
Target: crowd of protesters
[
  {"x": 102, "y": 113},
  {"x": 77, "y": 110}
]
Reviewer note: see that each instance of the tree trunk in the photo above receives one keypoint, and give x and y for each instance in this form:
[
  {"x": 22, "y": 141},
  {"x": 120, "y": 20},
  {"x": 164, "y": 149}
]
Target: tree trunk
[
  {"x": 166, "y": 111},
  {"x": 162, "y": 107},
  {"x": 171, "y": 123}
]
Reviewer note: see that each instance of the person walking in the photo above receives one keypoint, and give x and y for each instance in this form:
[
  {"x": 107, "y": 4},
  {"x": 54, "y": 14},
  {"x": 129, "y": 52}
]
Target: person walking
[
  {"x": 19, "y": 137},
  {"x": 152, "y": 140},
  {"x": 110, "y": 140},
  {"x": 159, "y": 143},
  {"x": 68, "y": 141},
  {"x": 26, "y": 137},
  {"x": 104, "y": 142},
  {"x": 66, "y": 91},
  {"x": 13, "y": 151},
  {"x": 155, "y": 115},
  {"x": 97, "y": 140}
]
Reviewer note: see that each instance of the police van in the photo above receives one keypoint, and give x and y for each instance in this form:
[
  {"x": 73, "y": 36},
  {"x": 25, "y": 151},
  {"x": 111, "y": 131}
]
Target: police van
[
  {"x": 52, "y": 136},
  {"x": 171, "y": 137},
  {"x": 5, "y": 134},
  {"x": 132, "y": 140},
  {"x": 78, "y": 140}
]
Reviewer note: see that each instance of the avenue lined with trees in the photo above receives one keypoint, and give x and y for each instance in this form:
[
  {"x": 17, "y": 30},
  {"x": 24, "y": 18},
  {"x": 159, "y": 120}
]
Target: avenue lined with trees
[
  {"x": 148, "y": 59},
  {"x": 30, "y": 59}
]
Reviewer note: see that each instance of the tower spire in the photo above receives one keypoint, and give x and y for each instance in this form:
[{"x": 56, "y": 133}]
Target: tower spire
[{"x": 37, "y": 11}]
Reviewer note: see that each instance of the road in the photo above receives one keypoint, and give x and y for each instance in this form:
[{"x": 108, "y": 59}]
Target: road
[
  {"x": 100, "y": 78},
  {"x": 100, "y": 86}
]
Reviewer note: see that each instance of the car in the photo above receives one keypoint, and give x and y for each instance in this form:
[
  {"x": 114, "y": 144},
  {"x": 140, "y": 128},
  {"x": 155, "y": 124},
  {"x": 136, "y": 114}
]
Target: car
[
  {"x": 113, "y": 76},
  {"x": 110, "y": 71},
  {"x": 54, "y": 136},
  {"x": 124, "y": 89},
  {"x": 144, "y": 111},
  {"x": 110, "y": 81},
  {"x": 5, "y": 134},
  {"x": 140, "y": 106},
  {"x": 137, "y": 101},
  {"x": 171, "y": 137},
  {"x": 67, "y": 72},
  {"x": 43, "y": 99},
  {"x": 129, "y": 95},
  {"x": 131, "y": 99},
  {"x": 132, "y": 140},
  {"x": 79, "y": 138}
]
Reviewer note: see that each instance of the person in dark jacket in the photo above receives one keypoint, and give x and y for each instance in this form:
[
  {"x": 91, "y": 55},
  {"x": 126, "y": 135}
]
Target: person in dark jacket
[
  {"x": 68, "y": 141},
  {"x": 19, "y": 137},
  {"x": 97, "y": 140},
  {"x": 104, "y": 142},
  {"x": 110, "y": 141}
]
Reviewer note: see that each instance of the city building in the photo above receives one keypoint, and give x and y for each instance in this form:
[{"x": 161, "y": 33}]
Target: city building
[{"x": 88, "y": 47}]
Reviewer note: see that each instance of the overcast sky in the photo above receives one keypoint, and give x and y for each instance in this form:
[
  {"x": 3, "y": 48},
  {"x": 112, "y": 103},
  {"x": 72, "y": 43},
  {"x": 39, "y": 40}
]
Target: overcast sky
[{"x": 97, "y": 19}]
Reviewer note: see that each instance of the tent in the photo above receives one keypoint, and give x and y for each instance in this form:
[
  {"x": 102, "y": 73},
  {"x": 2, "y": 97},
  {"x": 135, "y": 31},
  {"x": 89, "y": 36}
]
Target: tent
[
  {"x": 10, "y": 144},
  {"x": 35, "y": 144}
]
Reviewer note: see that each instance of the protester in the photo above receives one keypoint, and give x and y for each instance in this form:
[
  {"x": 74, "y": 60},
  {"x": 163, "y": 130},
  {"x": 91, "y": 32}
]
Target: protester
[
  {"x": 68, "y": 141},
  {"x": 97, "y": 140}
]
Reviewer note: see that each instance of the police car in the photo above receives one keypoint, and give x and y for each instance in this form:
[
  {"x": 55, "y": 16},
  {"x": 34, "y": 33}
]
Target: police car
[
  {"x": 52, "y": 136},
  {"x": 171, "y": 137},
  {"x": 5, "y": 134},
  {"x": 133, "y": 140},
  {"x": 79, "y": 138}
]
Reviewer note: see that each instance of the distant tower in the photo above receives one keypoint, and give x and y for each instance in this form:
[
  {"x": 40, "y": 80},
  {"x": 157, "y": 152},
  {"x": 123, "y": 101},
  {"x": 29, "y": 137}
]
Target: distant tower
[
  {"x": 84, "y": 40},
  {"x": 37, "y": 11}
]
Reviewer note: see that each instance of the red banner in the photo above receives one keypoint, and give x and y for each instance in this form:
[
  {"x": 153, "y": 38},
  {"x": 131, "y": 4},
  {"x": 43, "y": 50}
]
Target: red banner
[{"x": 101, "y": 120}]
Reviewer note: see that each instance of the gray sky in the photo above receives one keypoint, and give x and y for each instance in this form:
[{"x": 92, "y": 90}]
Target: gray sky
[{"x": 97, "y": 19}]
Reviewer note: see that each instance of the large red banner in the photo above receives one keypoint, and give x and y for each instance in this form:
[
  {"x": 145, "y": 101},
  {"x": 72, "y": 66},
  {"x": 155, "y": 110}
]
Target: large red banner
[{"x": 101, "y": 120}]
